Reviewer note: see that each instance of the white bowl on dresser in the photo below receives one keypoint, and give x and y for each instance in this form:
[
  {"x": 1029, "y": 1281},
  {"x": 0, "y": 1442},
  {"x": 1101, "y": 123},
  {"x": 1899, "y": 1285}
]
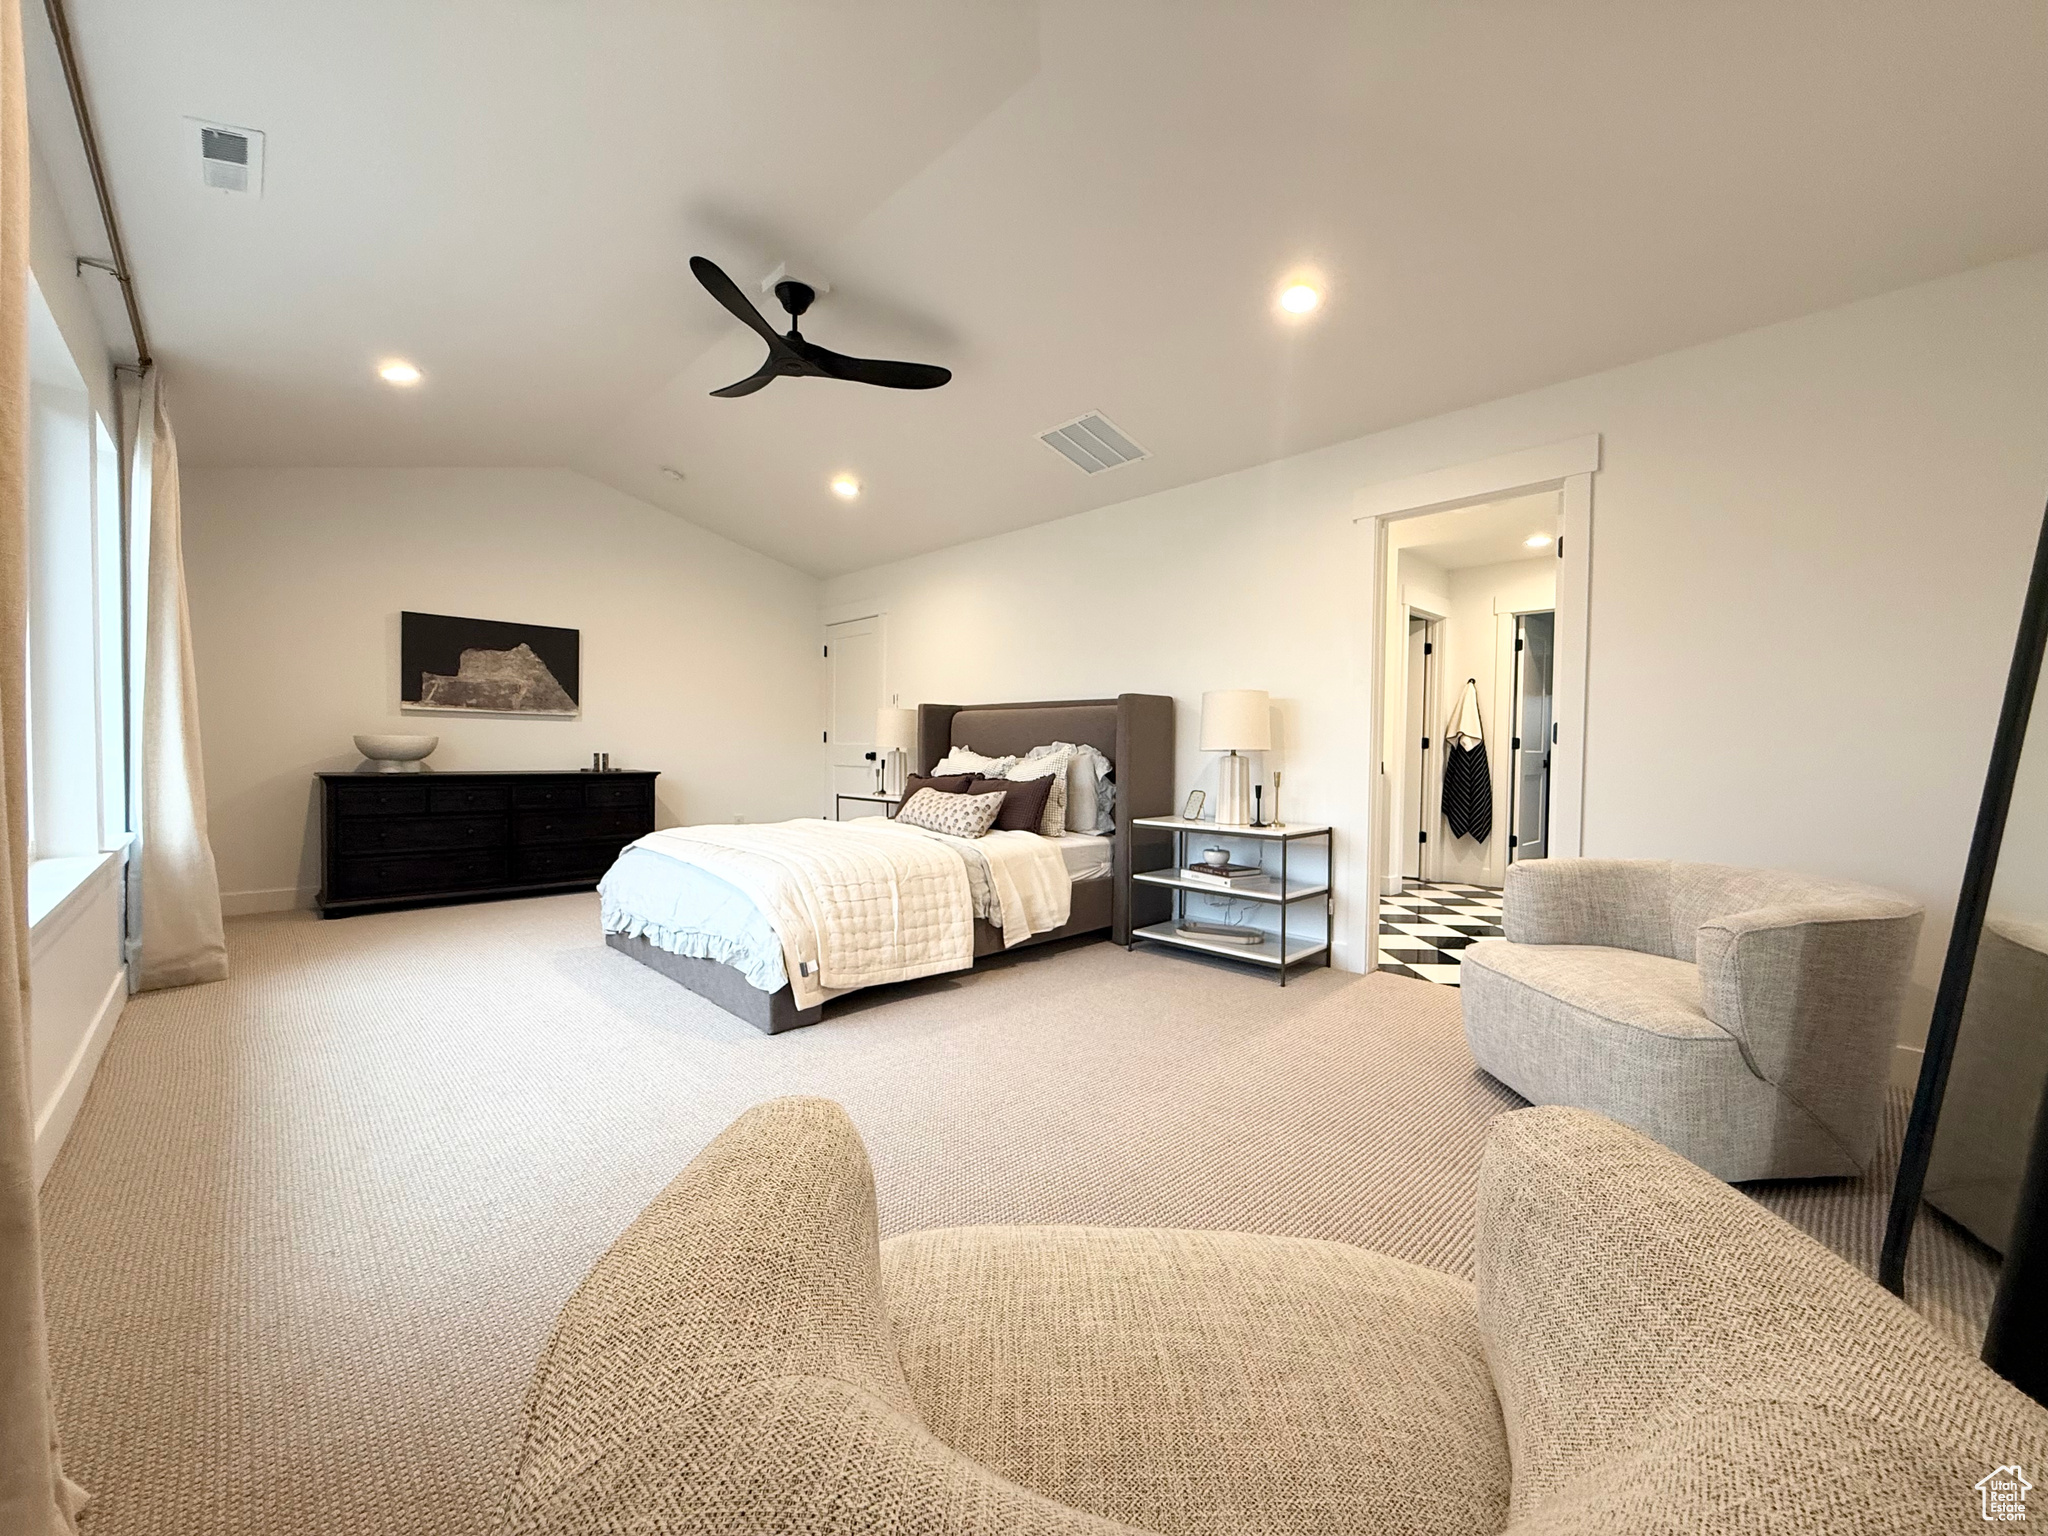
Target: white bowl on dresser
[{"x": 397, "y": 754}]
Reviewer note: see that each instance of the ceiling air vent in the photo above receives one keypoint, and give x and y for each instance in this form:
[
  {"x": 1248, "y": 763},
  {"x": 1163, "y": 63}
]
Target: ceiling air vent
[
  {"x": 1093, "y": 443},
  {"x": 230, "y": 159}
]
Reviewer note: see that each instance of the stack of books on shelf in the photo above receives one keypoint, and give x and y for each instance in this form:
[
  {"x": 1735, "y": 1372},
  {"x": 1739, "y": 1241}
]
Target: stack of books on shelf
[{"x": 1225, "y": 877}]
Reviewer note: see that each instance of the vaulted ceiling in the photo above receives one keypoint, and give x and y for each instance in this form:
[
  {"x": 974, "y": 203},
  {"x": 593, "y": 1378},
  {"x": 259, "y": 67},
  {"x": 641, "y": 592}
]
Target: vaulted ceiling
[{"x": 1075, "y": 206}]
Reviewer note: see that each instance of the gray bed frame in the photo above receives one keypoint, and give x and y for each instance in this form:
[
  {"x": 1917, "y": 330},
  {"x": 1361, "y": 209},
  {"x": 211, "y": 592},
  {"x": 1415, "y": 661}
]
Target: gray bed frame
[{"x": 1135, "y": 730}]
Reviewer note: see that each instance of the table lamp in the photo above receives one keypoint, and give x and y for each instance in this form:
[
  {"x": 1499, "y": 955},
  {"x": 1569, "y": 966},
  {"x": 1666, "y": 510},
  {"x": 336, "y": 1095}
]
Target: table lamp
[
  {"x": 1236, "y": 720},
  {"x": 895, "y": 732}
]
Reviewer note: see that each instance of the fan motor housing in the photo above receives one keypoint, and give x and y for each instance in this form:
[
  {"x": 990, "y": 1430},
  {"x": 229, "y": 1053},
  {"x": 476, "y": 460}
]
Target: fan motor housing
[{"x": 794, "y": 296}]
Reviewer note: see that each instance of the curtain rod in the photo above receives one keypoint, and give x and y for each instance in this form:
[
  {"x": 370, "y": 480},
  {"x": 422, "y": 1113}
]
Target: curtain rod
[{"x": 60, "y": 25}]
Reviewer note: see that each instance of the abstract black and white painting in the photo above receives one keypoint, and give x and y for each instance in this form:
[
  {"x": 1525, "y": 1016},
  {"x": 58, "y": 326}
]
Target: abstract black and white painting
[{"x": 486, "y": 666}]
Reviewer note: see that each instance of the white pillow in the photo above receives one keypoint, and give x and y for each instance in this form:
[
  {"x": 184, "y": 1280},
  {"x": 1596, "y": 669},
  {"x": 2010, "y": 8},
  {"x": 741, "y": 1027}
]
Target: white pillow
[
  {"x": 967, "y": 760},
  {"x": 1091, "y": 794},
  {"x": 1054, "y": 767},
  {"x": 954, "y": 815}
]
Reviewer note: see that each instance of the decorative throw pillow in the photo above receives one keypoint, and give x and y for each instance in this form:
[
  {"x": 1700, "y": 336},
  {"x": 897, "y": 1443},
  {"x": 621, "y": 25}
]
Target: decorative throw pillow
[
  {"x": 1023, "y": 802},
  {"x": 967, "y": 760},
  {"x": 1054, "y": 768},
  {"x": 1091, "y": 794},
  {"x": 953, "y": 784},
  {"x": 954, "y": 815}
]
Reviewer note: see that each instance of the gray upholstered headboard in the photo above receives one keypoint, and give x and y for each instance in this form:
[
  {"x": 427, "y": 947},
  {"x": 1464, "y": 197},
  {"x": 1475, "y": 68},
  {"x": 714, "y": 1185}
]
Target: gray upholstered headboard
[
  {"x": 1135, "y": 731},
  {"x": 997, "y": 730}
]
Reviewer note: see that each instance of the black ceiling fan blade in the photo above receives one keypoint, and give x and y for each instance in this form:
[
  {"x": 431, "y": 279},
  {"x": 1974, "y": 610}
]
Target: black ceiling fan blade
[
  {"x": 874, "y": 370},
  {"x": 727, "y": 292},
  {"x": 753, "y": 381}
]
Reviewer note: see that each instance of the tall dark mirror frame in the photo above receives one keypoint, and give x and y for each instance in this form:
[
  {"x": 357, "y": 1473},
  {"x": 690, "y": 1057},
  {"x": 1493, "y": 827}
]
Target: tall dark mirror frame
[{"x": 1987, "y": 1046}]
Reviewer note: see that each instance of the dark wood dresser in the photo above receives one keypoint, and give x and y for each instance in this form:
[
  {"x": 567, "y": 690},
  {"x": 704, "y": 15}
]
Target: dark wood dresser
[{"x": 403, "y": 839}]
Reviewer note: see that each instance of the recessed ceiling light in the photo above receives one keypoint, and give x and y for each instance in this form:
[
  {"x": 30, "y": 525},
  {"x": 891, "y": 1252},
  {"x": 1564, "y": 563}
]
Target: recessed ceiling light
[
  {"x": 671, "y": 472},
  {"x": 1299, "y": 299},
  {"x": 845, "y": 487},
  {"x": 398, "y": 371},
  {"x": 1537, "y": 540}
]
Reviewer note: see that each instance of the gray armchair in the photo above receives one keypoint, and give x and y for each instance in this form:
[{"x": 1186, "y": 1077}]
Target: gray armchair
[
  {"x": 1744, "y": 1018},
  {"x": 1663, "y": 1356}
]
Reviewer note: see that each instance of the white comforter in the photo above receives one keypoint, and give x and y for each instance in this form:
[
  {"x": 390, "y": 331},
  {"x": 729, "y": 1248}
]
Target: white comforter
[{"x": 859, "y": 903}]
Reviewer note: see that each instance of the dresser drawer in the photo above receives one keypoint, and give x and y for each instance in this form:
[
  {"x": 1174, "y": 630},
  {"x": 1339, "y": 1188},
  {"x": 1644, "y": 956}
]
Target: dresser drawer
[
  {"x": 548, "y": 797},
  {"x": 630, "y": 792},
  {"x": 402, "y": 834},
  {"x": 354, "y": 879},
  {"x": 379, "y": 799},
  {"x": 582, "y": 826},
  {"x": 564, "y": 861},
  {"x": 444, "y": 798}
]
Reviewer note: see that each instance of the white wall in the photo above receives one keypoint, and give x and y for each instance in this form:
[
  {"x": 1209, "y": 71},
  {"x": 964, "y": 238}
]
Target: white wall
[
  {"x": 699, "y": 658},
  {"x": 79, "y": 985},
  {"x": 1812, "y": 541},
  {"x": 53, "y": 258},
  {"x": 1420, "y": 581}
]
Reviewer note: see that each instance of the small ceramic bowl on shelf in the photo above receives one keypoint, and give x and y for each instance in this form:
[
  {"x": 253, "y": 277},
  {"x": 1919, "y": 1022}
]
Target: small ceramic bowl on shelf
[{"x": 1216, "y": 858}]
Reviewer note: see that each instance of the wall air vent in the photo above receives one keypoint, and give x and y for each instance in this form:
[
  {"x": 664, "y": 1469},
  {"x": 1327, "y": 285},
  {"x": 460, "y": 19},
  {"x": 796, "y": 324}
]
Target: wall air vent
[
  {"x": 1093, "y": 444},
  {"x": 230, "y": 159}
]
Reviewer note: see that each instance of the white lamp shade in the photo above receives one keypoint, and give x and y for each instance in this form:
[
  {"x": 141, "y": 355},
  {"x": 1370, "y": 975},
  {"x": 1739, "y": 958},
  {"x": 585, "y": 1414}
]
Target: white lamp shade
[
  {"x": 1237, "y": 720},
  {"x": 895, "y": 730}
]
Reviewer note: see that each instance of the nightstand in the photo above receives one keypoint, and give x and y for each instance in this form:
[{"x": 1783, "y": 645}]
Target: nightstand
[
  {"x": 1280, "y": 888},
  {"x": 877, "y": 804}
]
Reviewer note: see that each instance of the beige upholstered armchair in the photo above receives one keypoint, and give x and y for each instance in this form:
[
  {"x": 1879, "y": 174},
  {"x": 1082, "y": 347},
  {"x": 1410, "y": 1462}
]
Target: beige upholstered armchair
[
  {"x": 1662, "y": 1354},
  {"x": 1744, "y": 1018}
]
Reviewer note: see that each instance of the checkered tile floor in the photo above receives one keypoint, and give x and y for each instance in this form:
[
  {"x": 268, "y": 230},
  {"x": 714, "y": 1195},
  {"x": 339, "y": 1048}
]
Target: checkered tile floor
[{"x": 1423, "y": 928}]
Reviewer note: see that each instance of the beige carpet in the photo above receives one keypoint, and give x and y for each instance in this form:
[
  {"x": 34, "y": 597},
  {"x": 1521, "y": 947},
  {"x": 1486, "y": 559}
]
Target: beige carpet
[{"x": 314, "y": 1221}]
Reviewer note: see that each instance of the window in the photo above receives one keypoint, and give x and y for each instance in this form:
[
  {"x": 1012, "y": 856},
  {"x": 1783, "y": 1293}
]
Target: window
[{"x": 77, "y": 784}]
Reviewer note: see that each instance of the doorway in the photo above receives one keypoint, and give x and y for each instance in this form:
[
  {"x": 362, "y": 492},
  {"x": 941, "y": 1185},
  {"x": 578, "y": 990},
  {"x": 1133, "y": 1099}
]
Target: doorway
[
  {"x": 1469, "y": 684},
  {"x": 1392, "y": 518},
  {"x": 1534, "y": 727},
  {"x": 1461, "y": 582}
]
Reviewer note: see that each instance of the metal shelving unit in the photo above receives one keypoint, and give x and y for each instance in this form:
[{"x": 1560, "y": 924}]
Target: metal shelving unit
[{"x": 1280, "y": 890}]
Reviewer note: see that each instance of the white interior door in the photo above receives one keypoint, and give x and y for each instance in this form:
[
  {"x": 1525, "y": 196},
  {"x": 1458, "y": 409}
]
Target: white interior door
[
  {"x": 1414, "y": 772},
  {"x": 853, "y": 660},
  {"x": 1535, "y": 668}
]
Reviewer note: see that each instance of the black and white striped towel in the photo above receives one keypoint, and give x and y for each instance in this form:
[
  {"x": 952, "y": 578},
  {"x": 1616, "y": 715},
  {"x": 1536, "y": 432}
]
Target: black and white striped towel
[{"x": 1468, "y": 784}]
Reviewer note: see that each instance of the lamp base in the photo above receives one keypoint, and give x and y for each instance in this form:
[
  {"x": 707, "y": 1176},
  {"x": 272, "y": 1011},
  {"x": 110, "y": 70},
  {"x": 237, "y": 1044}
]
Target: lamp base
[{"x": 1234, "y": 790}]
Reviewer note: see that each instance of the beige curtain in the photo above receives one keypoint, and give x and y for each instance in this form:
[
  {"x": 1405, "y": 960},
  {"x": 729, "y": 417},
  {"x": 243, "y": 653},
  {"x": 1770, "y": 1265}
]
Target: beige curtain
[
  {"x": 35, "y": 1498},
  {"x": 175, "y": 935}
]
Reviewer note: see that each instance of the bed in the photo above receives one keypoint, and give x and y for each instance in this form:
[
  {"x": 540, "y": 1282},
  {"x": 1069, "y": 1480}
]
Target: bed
[{"x": 747, "y": 900}]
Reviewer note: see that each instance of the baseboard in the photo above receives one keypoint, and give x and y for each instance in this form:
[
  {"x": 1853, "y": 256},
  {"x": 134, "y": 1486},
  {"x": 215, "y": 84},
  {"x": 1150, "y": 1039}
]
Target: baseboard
[
  {"x": 55, "y": 1122},
  {"x": 283, "y": 898}
]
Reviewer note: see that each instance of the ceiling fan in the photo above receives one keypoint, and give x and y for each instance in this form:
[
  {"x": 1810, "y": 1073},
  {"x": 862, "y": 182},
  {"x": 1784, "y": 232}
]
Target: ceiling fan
[{"x": 795, "y": 357}]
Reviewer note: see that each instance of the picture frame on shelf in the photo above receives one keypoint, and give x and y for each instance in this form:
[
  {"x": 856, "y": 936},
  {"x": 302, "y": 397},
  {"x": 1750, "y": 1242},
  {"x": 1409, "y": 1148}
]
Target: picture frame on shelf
[{"x": 1192, "y": 811}]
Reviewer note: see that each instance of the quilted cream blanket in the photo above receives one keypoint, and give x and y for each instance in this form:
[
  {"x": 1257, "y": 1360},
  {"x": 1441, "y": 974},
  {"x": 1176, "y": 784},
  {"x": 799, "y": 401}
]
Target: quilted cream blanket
[
  {"x": 859, "y": 903},
  {"x": 1018, "y": 880}
]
